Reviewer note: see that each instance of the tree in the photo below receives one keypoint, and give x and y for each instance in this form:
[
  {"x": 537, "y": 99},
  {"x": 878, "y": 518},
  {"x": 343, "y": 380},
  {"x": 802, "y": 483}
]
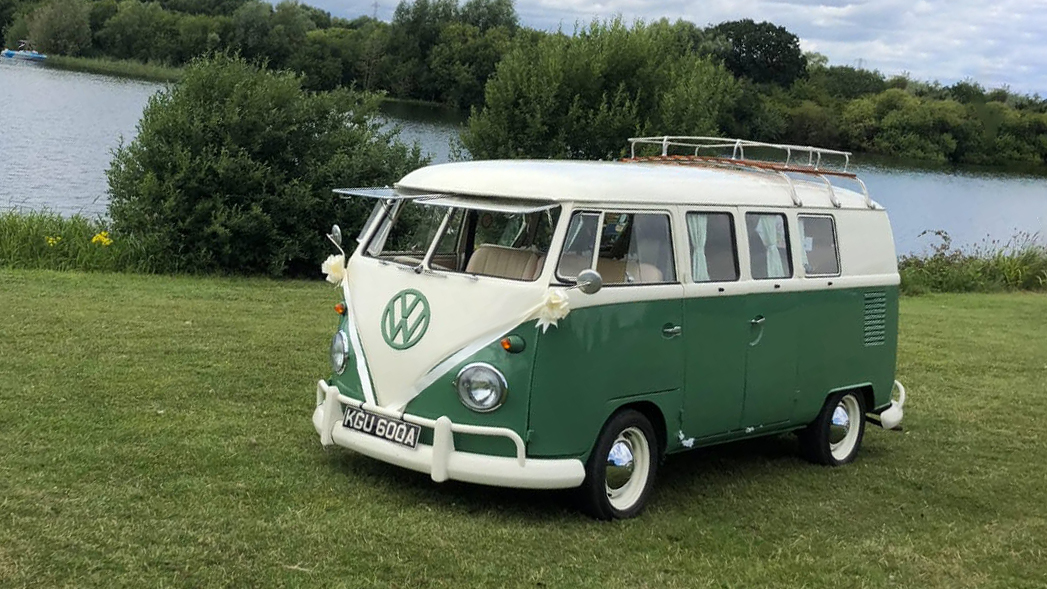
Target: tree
[
  {"x": 583, "y": 96},
  {"x": 489, "y": 14},
  {"x": 841, "y": 81},
  {"x": 232, "y": 170},
  {"x": 142, "y": 31},
  {"x": 60, "y": 26},
  {"x": 463, "y": 60},
  {"x": 761, "y": 52}
]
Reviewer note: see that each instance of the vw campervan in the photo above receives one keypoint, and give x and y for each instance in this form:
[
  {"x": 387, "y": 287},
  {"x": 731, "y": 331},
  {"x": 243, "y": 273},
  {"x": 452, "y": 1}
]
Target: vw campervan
[{"x": 561, "y": 324}]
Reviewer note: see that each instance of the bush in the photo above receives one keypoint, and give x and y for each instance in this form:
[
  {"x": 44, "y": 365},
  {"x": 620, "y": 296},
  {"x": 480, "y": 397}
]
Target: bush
[{"x": 232, "y": 170}]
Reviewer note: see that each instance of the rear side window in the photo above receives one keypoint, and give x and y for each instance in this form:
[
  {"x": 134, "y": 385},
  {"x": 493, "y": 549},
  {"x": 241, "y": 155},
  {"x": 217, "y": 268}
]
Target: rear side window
[
  {"x": 768, "y": 246},
  {"x": 714, "y": 253},
  {"x": 819, "y": 253}
]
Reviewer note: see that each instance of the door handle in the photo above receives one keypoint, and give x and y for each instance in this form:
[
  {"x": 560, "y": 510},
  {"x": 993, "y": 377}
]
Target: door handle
[
  {"x": 758, "y": 320},
  {"x": 670, "y": 331}
]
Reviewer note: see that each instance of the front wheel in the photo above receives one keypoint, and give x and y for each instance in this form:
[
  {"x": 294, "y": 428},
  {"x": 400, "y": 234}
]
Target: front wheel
[
  {"x": 621, "y": 469},
  {"x": 835, "y": 436}
]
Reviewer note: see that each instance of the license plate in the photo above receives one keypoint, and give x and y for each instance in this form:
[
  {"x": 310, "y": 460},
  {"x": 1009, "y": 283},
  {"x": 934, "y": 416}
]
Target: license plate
[{"x": 394, "y": 430}]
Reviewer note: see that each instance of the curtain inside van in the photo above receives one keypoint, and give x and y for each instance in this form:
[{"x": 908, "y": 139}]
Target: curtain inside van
[
  {"x": 767, "y": 229},
  {"x": 697, "y": 226}
]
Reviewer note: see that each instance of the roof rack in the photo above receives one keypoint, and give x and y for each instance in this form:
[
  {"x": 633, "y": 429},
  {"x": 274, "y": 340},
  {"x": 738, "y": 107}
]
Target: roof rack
[{"x": 789, "y": 159}]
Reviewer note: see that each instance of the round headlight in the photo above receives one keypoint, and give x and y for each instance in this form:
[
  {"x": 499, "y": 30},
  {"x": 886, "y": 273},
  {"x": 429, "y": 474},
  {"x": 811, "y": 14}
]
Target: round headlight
[
  {"x": 481, "y": 387},
  {"x": 339, "y": 352}
]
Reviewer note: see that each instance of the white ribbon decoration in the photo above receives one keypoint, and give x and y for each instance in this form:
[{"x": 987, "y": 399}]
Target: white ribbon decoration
[{"x": 554, "y": 307}]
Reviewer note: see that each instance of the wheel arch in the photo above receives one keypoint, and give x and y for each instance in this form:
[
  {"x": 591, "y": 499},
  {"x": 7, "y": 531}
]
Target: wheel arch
[
  {"x": 864, "y": 389},
  {"x": 653, "y": 413}
]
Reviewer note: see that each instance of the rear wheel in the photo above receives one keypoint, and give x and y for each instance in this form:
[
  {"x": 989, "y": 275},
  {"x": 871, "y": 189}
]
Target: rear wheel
[
  {"x": 835, "y": 436},
  {"x": 621, "y": 468}
]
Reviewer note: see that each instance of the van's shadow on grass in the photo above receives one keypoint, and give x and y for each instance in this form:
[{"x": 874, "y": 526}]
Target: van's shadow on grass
[{"x": 704, "y": 471}]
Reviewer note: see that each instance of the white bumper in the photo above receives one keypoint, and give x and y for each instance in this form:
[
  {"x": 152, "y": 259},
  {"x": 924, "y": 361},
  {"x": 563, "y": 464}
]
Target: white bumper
[{"x": 441, "y": 461}]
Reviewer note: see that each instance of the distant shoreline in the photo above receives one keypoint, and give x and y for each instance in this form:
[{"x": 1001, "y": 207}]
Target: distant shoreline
[
  {"x": 150, "y": 72},
  {"x": 118, "y": 68}
]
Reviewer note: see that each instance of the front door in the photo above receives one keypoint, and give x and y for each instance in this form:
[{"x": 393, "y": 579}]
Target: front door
[{"x": 620, "y": 345}]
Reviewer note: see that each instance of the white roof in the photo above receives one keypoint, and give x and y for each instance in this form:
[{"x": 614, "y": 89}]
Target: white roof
[{"x": 635, "y": 183}]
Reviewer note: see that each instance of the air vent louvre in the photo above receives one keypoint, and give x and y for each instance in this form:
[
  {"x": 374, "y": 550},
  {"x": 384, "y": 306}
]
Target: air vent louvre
[{"x": 875, "y": 333}]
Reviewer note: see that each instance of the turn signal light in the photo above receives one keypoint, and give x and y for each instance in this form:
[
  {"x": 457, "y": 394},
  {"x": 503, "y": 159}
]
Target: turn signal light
[
  {"x": 513, "y": 344},
  {"x": 340, "y": 308}
]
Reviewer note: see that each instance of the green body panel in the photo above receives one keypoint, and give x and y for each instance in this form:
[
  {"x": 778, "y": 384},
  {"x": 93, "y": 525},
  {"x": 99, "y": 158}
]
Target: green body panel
[
  {"x": 832, "y": 353},
  {"x": 348, "y": 382},
  {"x": 441, "y": 397},
  {"x": 770, "y": 356},
  {"x": 717, "y": 334},
  {"x": 597, "y": 357},
  {"x": 809, "y": 345}
]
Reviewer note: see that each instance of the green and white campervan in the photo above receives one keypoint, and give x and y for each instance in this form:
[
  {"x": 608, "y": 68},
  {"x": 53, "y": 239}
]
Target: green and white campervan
[{"x": 563, "y": 324}]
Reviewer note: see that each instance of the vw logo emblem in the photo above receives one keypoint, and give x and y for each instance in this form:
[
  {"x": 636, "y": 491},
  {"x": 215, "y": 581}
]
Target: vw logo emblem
[{"x": 405, "y": 319}]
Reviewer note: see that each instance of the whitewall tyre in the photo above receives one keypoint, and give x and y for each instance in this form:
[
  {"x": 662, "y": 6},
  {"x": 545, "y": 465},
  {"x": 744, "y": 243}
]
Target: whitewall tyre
[
  {"x": 621, "y": 469},
  {"x": 835, "y": 436}
]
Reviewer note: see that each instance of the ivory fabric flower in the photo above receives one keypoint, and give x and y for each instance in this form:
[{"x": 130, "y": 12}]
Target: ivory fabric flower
[
  {"x": 334, "y": 268},
  {"x": 555, "y": 307}
]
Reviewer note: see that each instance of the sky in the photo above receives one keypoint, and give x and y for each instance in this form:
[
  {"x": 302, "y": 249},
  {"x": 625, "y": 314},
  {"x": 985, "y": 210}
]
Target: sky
[{"x": 993, "y": 42}]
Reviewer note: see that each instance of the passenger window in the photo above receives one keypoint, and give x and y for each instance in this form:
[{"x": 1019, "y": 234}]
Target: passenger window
[
  {"x": 768, "y": 246},
  {"x": 636, "y": 248},
  {"x": 579, "y": 246},
  {"x": 714, "y": 255},
  {"x": 818, "y": 240}
]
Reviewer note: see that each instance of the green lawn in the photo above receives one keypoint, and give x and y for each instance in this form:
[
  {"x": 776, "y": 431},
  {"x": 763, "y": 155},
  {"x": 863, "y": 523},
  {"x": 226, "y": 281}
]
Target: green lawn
[{"x": 155, "y": 431}]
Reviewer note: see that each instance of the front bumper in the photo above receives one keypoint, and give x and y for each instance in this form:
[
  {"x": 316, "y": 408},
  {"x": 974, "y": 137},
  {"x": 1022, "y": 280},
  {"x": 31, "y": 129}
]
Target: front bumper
[{"x": 441, "y": 461}]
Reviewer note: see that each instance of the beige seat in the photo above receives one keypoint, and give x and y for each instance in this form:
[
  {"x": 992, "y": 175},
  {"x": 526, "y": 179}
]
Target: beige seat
[
  {"x": 627, "y": 271},
  {"x": 504, "y": 262}
]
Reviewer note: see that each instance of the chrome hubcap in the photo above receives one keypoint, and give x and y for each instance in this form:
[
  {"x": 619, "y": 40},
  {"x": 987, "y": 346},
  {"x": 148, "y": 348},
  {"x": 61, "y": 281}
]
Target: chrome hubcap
[
  {"x": 844, "y": 426},
  {"x": 619, "y": 464},
  {"x": 627, "y": 469},
  {"x": 841, "y": 424}
]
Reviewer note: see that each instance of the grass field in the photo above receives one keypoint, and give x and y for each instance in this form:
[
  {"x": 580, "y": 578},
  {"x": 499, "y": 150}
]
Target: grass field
[{"x": 155, "y": 431}]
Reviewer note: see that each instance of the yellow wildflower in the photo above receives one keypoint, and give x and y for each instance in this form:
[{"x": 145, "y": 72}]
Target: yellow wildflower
[
  {"x": 102, "y": 238},
  {"x": 53, "y": 241}
]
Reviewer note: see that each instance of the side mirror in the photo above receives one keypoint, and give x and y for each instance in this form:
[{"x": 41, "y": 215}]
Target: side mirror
[
  {"x": 336, "y": 235},
  {"x": 590, "y": 281}
]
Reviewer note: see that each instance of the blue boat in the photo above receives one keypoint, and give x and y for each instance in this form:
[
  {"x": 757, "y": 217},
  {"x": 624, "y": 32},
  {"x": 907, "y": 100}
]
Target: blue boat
[{"x": 24, "y": 53}]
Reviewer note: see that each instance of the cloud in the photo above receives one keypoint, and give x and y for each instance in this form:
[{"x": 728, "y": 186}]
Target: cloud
[{"x": 994, "y": 43}]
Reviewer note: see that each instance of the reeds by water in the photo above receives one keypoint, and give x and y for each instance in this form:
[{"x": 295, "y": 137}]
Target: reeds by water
[
  {"x": 45, "y": 239},
  {"x": 1019, "y": 264},
  {"x": 121, "y": 68}
]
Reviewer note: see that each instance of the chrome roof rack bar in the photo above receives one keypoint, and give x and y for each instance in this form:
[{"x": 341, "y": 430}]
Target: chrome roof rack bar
[
  {"x": 816, "y": 156},
  {"x": 724, "y": 151}
]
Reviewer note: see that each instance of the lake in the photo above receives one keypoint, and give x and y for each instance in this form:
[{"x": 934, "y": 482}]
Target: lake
[{"x": 57, "y": 131}]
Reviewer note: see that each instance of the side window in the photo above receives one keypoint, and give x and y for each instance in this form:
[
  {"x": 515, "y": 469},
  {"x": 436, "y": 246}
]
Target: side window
[
  {"x": 714, "y": 253},
  {"x": 768, "y": 245},
  {"x": 579, "y": 245},
  {"x": 636, "y": 248},
  {"x": 818, "y": 245}
]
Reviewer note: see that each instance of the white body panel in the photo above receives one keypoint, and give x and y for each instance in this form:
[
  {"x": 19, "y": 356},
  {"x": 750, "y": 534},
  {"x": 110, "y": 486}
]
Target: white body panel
[{"x": 465, "y": 311}]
